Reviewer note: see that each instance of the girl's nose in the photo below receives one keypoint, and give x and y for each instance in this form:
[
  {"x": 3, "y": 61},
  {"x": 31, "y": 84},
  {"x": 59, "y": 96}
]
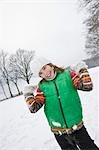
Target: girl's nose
[{"x": 48, "y": 74}]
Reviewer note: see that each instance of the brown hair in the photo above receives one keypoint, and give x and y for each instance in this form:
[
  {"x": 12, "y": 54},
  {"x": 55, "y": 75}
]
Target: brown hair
[{"x": 56, "y": 69}]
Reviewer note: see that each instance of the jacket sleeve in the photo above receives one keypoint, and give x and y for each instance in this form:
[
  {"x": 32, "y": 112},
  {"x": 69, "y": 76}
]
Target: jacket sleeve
[
  {"x": 34, "y": 103},
  {"x": 82, "y": 80}
]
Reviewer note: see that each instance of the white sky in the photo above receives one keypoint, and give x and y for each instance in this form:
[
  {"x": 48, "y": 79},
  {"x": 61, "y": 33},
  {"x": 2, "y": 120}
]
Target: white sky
[{"x": 53, "y": 29}]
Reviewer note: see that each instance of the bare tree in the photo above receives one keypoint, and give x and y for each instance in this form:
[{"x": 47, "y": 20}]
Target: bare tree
[
  {"x": 13, "y": 75},
  {"x": 2, "y": 86},
  {"x": 20, "y": 64},
  {"x": 4, "y": 69}
]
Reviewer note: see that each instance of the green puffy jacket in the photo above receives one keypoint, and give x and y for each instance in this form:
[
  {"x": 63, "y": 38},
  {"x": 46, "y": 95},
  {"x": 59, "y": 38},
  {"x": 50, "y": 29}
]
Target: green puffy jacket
[{"x": 62, "y": 105}]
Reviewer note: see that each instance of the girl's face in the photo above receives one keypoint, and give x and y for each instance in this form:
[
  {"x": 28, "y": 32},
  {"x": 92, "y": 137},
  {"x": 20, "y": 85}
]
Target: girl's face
[{"x": 47, "y": 72}]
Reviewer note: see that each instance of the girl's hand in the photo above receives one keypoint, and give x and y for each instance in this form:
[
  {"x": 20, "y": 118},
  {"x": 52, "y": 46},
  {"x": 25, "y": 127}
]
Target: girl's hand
[
  {"x": 29, "y": 90},
  {"x": 78, "y": 67}
]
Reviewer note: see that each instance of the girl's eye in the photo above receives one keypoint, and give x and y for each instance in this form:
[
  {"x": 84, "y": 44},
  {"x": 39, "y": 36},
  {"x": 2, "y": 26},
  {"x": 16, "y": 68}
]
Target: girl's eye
[{"x": 44, "y": 67}]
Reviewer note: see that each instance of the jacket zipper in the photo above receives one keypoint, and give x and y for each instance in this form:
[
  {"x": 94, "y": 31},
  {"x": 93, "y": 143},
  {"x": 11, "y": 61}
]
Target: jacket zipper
[{"x": 60, "y": 105}]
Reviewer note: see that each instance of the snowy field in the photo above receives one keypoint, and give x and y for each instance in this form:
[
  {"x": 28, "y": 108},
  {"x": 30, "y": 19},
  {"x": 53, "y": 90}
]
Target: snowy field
[{"x": 21, "y": 130}]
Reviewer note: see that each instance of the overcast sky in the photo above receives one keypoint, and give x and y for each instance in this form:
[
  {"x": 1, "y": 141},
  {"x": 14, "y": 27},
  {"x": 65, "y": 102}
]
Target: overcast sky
[{"x": 52, "y": 28}]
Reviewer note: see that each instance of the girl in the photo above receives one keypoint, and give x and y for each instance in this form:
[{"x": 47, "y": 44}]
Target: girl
[{"x": 57, "y": 91}]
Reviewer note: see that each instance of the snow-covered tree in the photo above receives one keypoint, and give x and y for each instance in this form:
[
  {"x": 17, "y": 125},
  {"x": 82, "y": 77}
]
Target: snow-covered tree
[
  {"x": 13, "y": 75},
  {"x": 92, "y": 24},
  {"x": 19, "y": 64},
  {"x": 4, "y": 70}
]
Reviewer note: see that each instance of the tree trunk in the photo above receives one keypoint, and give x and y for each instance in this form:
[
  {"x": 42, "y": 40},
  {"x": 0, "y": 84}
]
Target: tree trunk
[
  {"x": 27, "y": 80},
  {"x": 9, "y": 89},
  {"x": 17, "y": 88}
]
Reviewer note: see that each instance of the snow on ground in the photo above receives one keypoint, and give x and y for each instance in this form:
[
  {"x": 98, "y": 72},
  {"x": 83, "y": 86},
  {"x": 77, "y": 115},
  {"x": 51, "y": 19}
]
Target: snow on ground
[
  {"x": 21, "y": 130},
  {"x": 90, "y": 102}
]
